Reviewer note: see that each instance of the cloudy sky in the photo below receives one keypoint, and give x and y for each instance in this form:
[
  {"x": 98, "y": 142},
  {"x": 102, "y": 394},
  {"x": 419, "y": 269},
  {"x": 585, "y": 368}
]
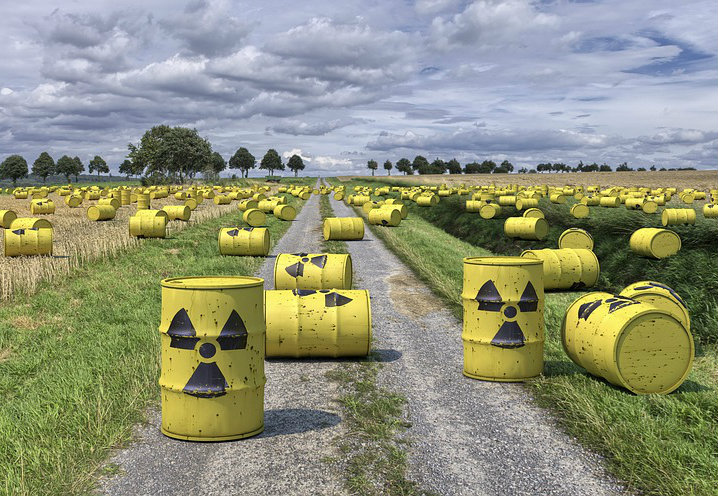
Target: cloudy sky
[{"x": 341, "y": 82}]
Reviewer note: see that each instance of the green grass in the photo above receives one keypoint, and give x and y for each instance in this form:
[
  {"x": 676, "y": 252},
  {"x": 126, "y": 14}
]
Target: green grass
[
  {"x": 79, "y": 360},
  {"x": 658, "y": 444}
]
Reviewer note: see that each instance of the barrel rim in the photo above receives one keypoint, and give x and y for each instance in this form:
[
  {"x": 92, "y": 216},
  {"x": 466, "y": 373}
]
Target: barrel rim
[
  {"x": 241, "y": 282},
  {"x": 502, "y": 260}
]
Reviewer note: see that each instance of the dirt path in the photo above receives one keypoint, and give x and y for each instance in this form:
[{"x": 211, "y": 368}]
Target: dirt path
[
  {"x": 300, "y": 423},
  {"x": 470, "y": 437}
]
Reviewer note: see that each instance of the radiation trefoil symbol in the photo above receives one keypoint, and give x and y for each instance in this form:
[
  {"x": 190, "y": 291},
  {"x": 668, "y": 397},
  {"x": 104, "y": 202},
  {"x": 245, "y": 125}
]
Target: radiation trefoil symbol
[
  {"x": 331, "y": 298},
  {"x": 235, "y": 231},
  {"x": 509, "y": 334},
  {"x": 297, "y": 269},
  {"x": 207, "y": 380},
  {"x": 615, "y": 303},
  {"x": 654, "y": 284}
]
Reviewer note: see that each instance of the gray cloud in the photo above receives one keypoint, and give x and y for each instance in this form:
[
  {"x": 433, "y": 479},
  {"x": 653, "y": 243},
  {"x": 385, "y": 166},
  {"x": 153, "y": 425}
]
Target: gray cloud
[{"x": 301, "y": 128}]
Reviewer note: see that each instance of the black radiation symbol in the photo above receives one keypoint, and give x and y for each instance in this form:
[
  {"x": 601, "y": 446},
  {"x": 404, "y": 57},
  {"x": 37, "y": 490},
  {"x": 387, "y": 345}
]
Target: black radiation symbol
[
  {"x": 509, "y": 334},
  {"x": 297, "y": 269},
  {"x": 654, "y": 284},
  {"x": 615, "y": 303},
  {"x": 20, "y": 232},
  {"x": 235, "y": 231},
  {"x": 331, "y": 298},
  {"x": 207, "y": 381}
]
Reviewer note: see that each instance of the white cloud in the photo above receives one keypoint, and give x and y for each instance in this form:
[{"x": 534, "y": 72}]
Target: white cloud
[{"x": 296, "y": 151}]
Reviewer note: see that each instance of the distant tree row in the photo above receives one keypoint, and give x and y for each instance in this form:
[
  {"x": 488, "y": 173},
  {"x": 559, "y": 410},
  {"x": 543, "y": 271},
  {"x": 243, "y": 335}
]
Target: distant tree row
[
  {"x": 421, "y": 165},
  {"x": 15, "y": 167}
]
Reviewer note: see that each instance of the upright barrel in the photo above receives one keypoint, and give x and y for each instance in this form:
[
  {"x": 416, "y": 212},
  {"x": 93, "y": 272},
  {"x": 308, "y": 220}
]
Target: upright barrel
[
  {"x": 503, "y": 330},
  {"x": 313, "y": 271},
  {"x": 655, "y": 242},
  {"x": 343, "y": 228},
  {"x": 244, "y": 241},
  {"x": 212, "y": 337},
  {"x": 318, "y": 323},
  {"x": 630, "y": 343},
  {"x": 567, "y": 268},
  {"x": 143, "y": 201}
]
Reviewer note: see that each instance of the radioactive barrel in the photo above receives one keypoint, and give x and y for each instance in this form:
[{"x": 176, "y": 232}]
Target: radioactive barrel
[
  {"x": 178, "y": 212},
  {"x": 630, "y": 343},
  {"x": 677, "y": 216},
  {"x": 384, "y": 217},
  {"x": 28, "y": 241},
  {"x": 318, "y": 323},
  {"x": 42, "y": 207},
  {"x": 489, "y": 210},
  {"x": 6, "y": 218},
  {"x": 101, "y": 212},
  {"x": 503, "y": 329},
  {"x": 246, "y": 204},
  {"x": 574, "y": 237},
  {"x": 535, "y": 228},
  {"x": 661, "y": 296},
  {"x": 567, "y": 268},
  {"x": 212, "y": 340},
  {"x": 580, "y": 211},
  {"x": 313, "y": 271},
  {"x": 244, "y": 241},
  {"x": 73, "y": 201},
  {"x": 285, "y": 212},
  {"x": 343, "y": 228},
  {"x": 655, "y": 242},
  {"x": 114, "y": 202},
  {"x": 254, "y": 217},
  {"x": 710, "y": 211},
  {"x": 149, "y": 224},
  {"x": 533, "y": 212},
  {"x": 403, "y": 210}
]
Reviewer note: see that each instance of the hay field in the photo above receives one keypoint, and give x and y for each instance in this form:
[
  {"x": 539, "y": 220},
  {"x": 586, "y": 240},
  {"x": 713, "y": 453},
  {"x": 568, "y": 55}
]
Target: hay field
[{"x": 699, "y": 179}]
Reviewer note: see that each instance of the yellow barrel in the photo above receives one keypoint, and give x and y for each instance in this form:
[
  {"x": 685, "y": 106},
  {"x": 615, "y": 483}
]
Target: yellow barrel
[
  {"x": 655, "y": 242},
  {"x": 649, "y": 207},
  {"x": 427, "y": 200},
  {"x": 526, "y": 227},
  {"x": 222, "y": 200},
  {"x": 244, "y": 241},
  {"x": 254, "y": 217},
  {"x": 567, "y": 268},
  {"x": 489, "y": 210},
  {"x": 143, "y": 201},
  {"x": 109, "y": 201},
  {"x": 178, "y": 212},
  {"x": 360, "y": 200},
  {"x": 503, "y": 330},
  {"x": 73, "y": 201},
  {"x": 339, "y": 195},
  {"x": 660, "y": 296},
  {"x": 677, "y": 216},
  {"x": 6, "y": 218},
  {"x": 318, "y": 323},
  {"x": 630, "y": 343},
  {"x": 125, "y": 197},
  {"x": 400, "y": 207},
  {"x": 474, "y": 205},
  {"x": 191, "y": 203},
  {"x": 591, "y": 201},
  {"x": 525, "y": 203},
  {"x": 634, "y": 203},
  {"x": 101, "y": 212},
  {"x": 30, "y": 223},
  {"x": 609, "y": 201},
  {"x": 506, "y": 200},
  {"x": 533, "y": 212},
  {"x": 212, "y": 339},
  {"x": 149, "y": 224},
  {"x": 245, "y": 205},
  {"x": 42, "y": 206},
  {"x": 370, "y": 205},
  {"x": 574, "y": 237},
  {"x": 180, "y": 195},
  {"x": 20, "y": 195},
  {"x": 313, "y": 271},
  {"x": 28, "y": 241},
  {"x": 580, "y": 211},
  {"x": 710, "y": 211},
  {"x": 384, "y": 217},
  {"x": 343, "y": 228},
  {"x": 557, "y": 198},
  {"x": 285, "y": 212}
]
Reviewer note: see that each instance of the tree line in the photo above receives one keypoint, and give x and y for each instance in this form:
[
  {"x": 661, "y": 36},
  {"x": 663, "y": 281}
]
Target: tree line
[
  {"x": 15, "y": 167},
  {"x": 420, "y": 165}
]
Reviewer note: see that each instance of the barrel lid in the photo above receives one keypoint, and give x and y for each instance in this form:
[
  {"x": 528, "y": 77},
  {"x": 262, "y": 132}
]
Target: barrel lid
[
  {"x": 212, "y": 282},
  {"x": 510, "y": 261}
]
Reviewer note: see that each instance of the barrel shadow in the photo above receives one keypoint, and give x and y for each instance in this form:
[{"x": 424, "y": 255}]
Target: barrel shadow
[
  {"x": 691, "y": 387},
  {"x": 286, "y": 421},
  {"x": 554, "y": 368},
  {"x": 383, "y": 355}
]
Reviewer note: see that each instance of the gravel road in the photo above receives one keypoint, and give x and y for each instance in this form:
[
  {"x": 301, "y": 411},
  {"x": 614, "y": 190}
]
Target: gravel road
[
  {"x": 301, "y": 421},
  {"x": 469, "y": 437}
]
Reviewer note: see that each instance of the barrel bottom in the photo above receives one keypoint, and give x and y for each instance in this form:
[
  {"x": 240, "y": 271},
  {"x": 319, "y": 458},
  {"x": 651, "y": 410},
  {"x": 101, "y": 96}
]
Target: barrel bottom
[
  {"x": 499, "y": 379},
  {"x": 205, "y": 439}
]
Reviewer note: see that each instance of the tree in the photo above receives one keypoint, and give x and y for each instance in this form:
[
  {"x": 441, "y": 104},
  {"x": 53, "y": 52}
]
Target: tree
[
  {"x": 508, "y": 166},
  {"x": 438, "y": 165},
  {"x": 271, "y": 161},
  {"x": 372, "y": 165},
  {"x": 641, "y": 169},
  {"x": 242, "y": 160},
  {"x": 487, "y": 166},
  {"x": 98, "y": 164},
  {"x": 295, "y": 164},
  {"x": 453, "y": 166},
  {"x": 419, "y": 162},
  {"x": 543, "y": 167},
  {"x": 43, "y": 166},
  {"x": 653, "y": 168},
  {"x": 500, "y": 170},
  {"x": 79, "y": 167},
  {"x": 472, "y": 168},
  {"x": 65, "y": 166},
  {"x": 217, "y": 163},
  {"x": 171, "y": 151},
  {"x": 126, "y": 168},
  {"x": 523, "y": 170},
  {"x": 623, "y": 167},
  {"x": 604, "y": 168},
  {"x": 403, "y": 165},
  {"x": 388, "y": 166},
  {"x": 14, "y": 167}
]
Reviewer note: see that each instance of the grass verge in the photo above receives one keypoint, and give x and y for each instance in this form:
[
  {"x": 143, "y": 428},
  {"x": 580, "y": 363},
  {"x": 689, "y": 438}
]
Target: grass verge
[
  {"x": 658, "y": 445},
  {"x": 375, "y": 451},
  {"x": 79, "y": 360}
]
